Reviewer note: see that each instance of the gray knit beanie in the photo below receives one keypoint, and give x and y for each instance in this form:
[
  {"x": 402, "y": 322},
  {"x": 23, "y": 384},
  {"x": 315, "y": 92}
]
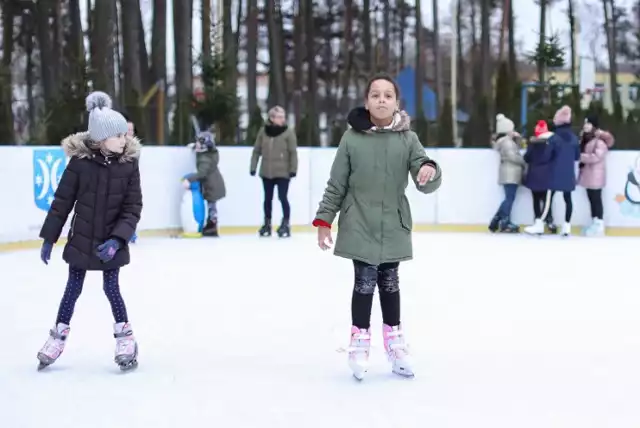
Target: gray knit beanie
[{"x": 103, "y": 121}]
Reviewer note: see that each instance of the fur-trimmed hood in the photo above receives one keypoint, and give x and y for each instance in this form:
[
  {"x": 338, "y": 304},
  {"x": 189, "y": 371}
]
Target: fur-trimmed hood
[
  {"x": 81, "y": 146},
  {"x": 360, "y": 120}
]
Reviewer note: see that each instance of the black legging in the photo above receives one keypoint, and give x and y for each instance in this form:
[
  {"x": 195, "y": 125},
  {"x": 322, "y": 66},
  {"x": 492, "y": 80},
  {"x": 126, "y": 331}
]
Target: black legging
[
  {"x": 539, "y": 201},
  {"x": 283, "y": 188},
  {"x": 366, "y": 277},
  {"x": 595, "y": 201},
  {"x": 568, "y": 204}
]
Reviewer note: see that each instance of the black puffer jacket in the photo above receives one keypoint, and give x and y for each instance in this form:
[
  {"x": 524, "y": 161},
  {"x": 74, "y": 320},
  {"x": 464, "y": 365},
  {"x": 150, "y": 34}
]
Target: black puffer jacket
[{"x": 107, "y": 198}]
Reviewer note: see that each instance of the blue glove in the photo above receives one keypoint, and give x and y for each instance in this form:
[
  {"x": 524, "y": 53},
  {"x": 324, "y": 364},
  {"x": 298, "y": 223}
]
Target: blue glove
[
  {"x": 45, "y": 252},
  {"x": 108, "y": 250}
]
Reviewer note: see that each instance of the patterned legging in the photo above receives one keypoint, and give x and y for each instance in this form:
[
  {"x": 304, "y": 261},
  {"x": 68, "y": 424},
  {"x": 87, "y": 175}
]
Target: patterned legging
[{"x": 73, "y": 290}]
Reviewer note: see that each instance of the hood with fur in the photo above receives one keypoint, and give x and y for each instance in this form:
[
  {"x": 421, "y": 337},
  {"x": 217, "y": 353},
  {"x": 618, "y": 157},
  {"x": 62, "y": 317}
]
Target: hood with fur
[
  {"x": 81, "y": 146},
  {"x": 360, "y": 120}
]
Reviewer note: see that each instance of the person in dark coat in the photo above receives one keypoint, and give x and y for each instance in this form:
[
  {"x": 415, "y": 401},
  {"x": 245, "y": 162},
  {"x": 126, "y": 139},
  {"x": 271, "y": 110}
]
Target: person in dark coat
[
  {"x": 538, "y": 179},
  {"x": 562, "y": 152},
  {"x": 208, "y": 174},
  {"x": 101, "y": 184}
]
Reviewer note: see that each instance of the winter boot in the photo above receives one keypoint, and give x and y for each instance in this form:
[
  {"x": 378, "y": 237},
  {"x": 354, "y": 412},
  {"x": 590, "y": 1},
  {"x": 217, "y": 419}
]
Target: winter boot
[
  {"x": 507, "y": 227},
  {"x": 210, "y": 228},
  {"x": 54, "y": 345},
  {"x": 494, "y": 224},
  {"x": 265, "y": 230},
  {"x": 284, "y": 231},
  {"x": 537, "y": 228},
  {"x": 359, "y": 348},
  {"x": 397, "y": 351},
  {"x": 126, "y": 355},
  {"x": 566, "y": 229}
]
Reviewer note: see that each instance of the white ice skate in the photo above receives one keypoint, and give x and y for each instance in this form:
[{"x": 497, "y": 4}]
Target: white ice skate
[
  {"x": 537, "y": 228},
  {"x": 566, "y": 229},
  {"x": 54, "y": 345},
  {"x": 397, "y": 351},
  {"x": 126, "y": 355},
  {"x": 596, "y": 229},
  {"x": 359, "y": 348}
]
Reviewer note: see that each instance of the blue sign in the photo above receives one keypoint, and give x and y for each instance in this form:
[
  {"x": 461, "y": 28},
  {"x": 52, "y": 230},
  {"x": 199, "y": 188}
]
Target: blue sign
[{"x": 48, "y": 166}]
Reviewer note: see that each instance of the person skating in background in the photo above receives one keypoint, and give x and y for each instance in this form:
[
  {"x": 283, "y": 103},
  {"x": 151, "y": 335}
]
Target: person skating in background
[
  {"x": 102, "y": 181},
  {"x": 538, "y": 179},
  {"x": 510, "y": 173},
  {"x": 562, "y": 152},
  {"x": 594, "y": 146},
  {"x": 209, "y": 176},
  {"x": 277, "y": 145},
  {"x": 367, "y": 186}
]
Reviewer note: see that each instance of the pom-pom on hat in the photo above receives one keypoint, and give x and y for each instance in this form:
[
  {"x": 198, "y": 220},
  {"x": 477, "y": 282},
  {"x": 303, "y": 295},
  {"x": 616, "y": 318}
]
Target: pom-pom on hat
[
  {"x": 103, "y": 121},
  {"x": 541, "y": 128},
  {"x": 503, "y": 124}
]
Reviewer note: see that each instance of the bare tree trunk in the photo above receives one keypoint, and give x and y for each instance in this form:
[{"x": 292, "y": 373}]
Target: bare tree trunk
[
  {"x": 252, "y": 58},
  {"x": 366, "y": 37},
  {"x": 572, "y": 41},
  {"x": 542, "y": 37},
  {"x": 436, "y": 54},
  {"x": 102, "y": 47},
  {"x": 7, "y": 135},
  {"x": 183, "y": 82},
  {"x": 419, "y": 80},
  {"x": 347, "y": 51},
  {"x": 386, "y": 46},
  {"x": 276, "y": 67},
  {"x": 513, "y": 64},
  {"x": 312, "y": 82},
  {"x": 403, "y": 22},
  {"x": 158, "y": 71},
  {"x": 610, "y": 30},
  {"x": 206, "y": 29},
  {"x": 132, "y": 76},
  {"x": 485, "y": 47},
  {"x": 298, "y": 40}
]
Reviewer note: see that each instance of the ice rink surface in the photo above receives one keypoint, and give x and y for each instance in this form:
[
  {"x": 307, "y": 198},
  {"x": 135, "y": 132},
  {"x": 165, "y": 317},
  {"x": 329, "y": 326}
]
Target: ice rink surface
[{"x": 505, "y": 332}]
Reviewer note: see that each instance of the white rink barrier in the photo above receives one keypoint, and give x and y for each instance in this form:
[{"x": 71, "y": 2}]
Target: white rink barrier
[{"x": 469, "y": 195}]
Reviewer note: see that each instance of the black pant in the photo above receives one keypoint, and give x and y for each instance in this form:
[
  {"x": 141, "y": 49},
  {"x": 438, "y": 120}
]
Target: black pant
[
  {"x": 283, "y": 188},
  {"x": 568, "y": 204},
  {"x": 595, "y": 201},
  {"x": 366, "y": 277},
  {"x": 539, "y": 201}
]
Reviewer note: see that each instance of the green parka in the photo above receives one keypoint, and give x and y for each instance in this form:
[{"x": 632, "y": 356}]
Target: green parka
[
  {"x": 367, "y": 186},
  {"x": 278, "y": 148}
]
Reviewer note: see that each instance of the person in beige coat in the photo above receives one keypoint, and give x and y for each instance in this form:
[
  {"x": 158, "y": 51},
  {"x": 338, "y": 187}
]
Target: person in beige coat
[
  {"x": 276, "y": 144},
  {"x": 512, "y": 166}
]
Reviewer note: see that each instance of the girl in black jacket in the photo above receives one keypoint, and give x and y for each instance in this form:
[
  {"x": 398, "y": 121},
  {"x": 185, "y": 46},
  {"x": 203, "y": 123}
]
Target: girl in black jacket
[{"x": 102, "y": 185}]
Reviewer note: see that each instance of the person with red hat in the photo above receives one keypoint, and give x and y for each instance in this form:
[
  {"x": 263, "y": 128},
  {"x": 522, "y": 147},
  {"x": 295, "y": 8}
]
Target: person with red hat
[{"x": 538, "y": 179}]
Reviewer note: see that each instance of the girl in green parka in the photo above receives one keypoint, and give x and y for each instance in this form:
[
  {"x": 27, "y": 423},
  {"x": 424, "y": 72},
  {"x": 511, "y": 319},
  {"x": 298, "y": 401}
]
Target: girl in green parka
[
  {"x": 208, "y": 174},
  {"x": 367, "y": 186}
]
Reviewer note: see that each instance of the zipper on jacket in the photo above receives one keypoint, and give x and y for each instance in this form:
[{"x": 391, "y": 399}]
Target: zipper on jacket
[{"x": 73, "y": 224}]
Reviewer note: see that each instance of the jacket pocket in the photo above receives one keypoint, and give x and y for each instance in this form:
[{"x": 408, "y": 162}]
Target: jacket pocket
[{"x": 405, "y": 222}]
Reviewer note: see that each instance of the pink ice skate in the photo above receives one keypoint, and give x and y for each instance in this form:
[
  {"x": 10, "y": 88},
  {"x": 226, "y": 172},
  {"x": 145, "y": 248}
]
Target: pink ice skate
[
  {"x": 397, "y": 351},
  {"x": 126, "y": 355},
  {"x": 54, "y": 345},
  {"x": 359, "y": 351}
]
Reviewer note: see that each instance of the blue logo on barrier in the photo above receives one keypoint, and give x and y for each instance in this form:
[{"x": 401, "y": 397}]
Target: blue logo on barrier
[{"x": 48, "y": 166}]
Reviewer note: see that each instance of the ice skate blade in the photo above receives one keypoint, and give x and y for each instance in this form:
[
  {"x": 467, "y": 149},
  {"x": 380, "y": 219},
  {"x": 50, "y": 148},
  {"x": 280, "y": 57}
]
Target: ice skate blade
[
  {"x": 359, "y": 376},
  {"x": 132, "y": 365},
  {"x": 42, "y": 366},
  {"x": 404, "y": 374}
]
